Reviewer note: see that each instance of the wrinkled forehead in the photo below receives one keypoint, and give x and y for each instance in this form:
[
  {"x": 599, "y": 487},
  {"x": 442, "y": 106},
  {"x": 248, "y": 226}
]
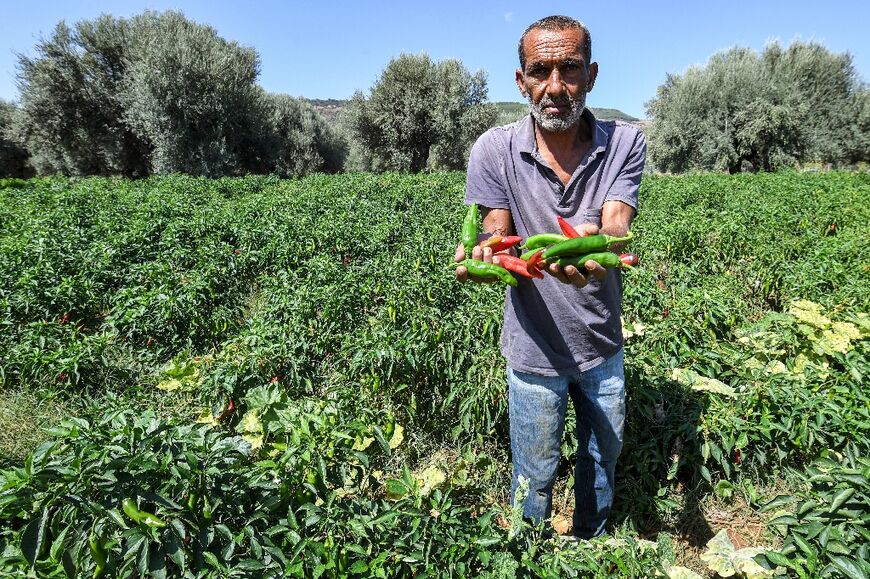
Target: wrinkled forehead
[{"x": 550, "y": 45}]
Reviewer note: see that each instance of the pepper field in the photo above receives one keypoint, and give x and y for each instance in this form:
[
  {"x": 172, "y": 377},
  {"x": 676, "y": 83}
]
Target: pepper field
[{"x": 367, "y": 434}]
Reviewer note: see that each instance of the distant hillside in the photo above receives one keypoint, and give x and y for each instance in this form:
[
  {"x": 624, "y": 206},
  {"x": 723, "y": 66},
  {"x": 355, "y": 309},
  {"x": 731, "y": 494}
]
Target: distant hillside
[{"x": 508, "y": 112}]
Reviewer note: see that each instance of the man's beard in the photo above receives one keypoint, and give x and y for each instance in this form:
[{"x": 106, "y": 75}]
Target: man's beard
[{"x": 557, "y": 123}]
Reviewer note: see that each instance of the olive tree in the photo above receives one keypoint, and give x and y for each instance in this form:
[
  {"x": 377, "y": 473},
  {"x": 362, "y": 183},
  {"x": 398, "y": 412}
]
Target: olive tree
[
  {"x": 191, "y": 94},
  {"x": 71, "y": 118},
  {"x": 759, "y": 111},
  {"x": 418, "y": 113},
  {"x": 13, "y": 157},
  {"x": 300, "y": 140},
  {"x": 158, "y": 93}
]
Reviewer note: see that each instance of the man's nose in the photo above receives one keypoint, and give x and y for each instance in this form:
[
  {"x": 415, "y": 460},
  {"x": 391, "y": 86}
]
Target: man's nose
[{"x": 555, "y": 86}]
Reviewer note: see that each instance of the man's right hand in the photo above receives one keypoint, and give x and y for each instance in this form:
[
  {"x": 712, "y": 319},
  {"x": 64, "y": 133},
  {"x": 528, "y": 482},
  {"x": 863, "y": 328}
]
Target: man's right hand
[{"x": 480, "y": 254}]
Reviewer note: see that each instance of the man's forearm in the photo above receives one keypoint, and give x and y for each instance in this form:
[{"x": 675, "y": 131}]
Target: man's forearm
[{"x": 616, "y": 218}]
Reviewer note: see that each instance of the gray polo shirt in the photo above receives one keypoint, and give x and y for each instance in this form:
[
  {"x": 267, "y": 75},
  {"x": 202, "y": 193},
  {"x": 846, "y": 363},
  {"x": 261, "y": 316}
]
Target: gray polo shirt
[{"x": 552, "y": 328}]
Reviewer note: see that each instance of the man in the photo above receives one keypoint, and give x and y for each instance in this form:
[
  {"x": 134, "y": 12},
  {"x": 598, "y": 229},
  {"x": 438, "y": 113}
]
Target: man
[{"x": 562, "y": 335}]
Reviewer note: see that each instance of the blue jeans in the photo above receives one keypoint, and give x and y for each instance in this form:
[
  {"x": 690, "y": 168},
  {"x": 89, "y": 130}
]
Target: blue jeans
[{"x": 537, "y": 406}]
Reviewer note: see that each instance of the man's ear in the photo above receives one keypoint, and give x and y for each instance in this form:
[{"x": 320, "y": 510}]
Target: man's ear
[
  {"x": 520, "y": 84},
  {"x": 593, "y": 74}
]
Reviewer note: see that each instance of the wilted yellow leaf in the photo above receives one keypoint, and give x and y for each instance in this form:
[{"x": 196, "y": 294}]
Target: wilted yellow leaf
[
  {"x": 701, "y": 383},
  {"x": 718, "y": 554},
  {"x": 677, "y": 572},
  {"x": 809, "y": 312},
  {"x": 363, "y": 444},
  {"x": 206, "y": 417},
  {"x": 832, "y": 342},
  {"x": 256, "y": 440},
  {"x": 745, "y": 565},
  {"x": 847, "y": 329},
  {"x": 398, "y": 436},
  {"x": 430, "y": 479},
  {"x": 250, "y": 423},
  {"x": 775, "y": 367},
  {"x": 170, "y": 385}
]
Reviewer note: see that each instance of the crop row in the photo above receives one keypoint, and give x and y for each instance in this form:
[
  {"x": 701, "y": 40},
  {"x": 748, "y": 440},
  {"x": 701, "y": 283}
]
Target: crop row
[{"x": 747, "y": 352}]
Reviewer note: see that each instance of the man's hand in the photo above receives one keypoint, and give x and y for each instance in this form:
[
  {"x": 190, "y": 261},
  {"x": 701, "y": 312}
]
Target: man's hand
[
  {"x": 495, "y": 222},
  {"x": 570, "y": 274},
  {"x": 480, "y": 254}
]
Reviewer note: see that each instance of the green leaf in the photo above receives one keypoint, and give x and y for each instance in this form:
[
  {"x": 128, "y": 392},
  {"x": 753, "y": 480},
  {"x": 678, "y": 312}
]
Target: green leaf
[
  {"x": 358, "y": 567},
  {"x": 212, "y": 560},
  {"x": 724, "y": 489},
  {"x": 157, "y": 562},
  {"x": 849, "y": 567},
  {"x": 250, "y": 565},
  {"x": 787, "y": 520},
  {"x": 385, "y": 518},
  {"x": 174, "y": 542},
  {"x": 33, "y": 537},
  {"x": 777, "y": 558},
  {"x": 841, "y": 498},
  {"x": 396, "y": 489},
  {"x": 58, "y": 544}
]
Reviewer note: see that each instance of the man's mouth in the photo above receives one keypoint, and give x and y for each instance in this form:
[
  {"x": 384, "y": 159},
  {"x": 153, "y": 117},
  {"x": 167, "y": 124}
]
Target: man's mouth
[{"x": 555, "y": 108}]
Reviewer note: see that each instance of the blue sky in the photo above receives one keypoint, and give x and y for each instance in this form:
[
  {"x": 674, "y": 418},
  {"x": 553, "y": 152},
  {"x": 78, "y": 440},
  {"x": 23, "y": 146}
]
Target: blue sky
[{"x": 329, "y": 49}]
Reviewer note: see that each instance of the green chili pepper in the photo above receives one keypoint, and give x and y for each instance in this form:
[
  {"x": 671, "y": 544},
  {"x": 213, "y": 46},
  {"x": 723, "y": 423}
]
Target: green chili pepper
[
  {"x": 542, "y": 240},
  {"x": 581, "y": 245},
  {"x": 605, "y": 258},
  {"x": 483, "y": 269},
  {"x": 207, "y": 514},
  {"x": 469, "y": 230},
  {"x": 98, "y": 552},
  {"x": 192, "y": 499},
  {"x": 141, "y": 517}
]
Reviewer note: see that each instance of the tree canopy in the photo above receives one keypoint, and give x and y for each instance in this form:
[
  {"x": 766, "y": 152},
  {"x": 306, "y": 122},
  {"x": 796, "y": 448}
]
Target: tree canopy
[
  {"x": 761, "y": 111},
  {"x": 158, "y": 93},
  {"x": 419, "y": 113}
]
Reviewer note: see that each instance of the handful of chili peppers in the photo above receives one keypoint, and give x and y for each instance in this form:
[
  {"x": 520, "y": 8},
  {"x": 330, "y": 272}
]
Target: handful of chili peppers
[{"x": 567, "y": 248}]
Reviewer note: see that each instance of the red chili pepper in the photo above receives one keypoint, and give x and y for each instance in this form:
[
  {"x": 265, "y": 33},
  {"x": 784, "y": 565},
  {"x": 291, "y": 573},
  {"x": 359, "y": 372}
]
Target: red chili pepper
[
  {"x": 489, "y": 242},
  {"x": 534, "y": 264},
  {"x": 506, "y": 243},
  {"x": 515, "y": 264},
  {"x": 629, "y": 259},
  {"x": 226, "y": 413},
  {"x": 737, "y": 456},
  {"x": 567, "y": 229}
]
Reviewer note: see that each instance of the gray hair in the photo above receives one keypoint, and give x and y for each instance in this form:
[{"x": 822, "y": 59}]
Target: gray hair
[{"x": 554, "y": 23}]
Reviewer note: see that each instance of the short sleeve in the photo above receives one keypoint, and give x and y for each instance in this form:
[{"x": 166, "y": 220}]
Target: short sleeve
[
  {"x": 627, "y": 183},
  {"x": 485, "y": 184}
]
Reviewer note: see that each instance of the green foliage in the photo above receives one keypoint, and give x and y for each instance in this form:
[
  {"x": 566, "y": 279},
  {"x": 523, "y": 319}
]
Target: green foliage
[
  {"x": 13, "y": 158},
  {"x": 302, "y": 142},
  {"x": 325, "y": 308},
  {"x": 158, "y": 93},
  {"x": 827, "y": 526},
  {"x": 418, "y": 113},
  {"x": 763, "y": 112},
  {"x": 191, "y": 95},
  {"x": 71, "y": 118}
]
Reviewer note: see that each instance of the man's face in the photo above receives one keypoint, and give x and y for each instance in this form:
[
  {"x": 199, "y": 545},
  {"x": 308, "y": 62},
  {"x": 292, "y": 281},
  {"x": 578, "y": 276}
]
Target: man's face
[{"x": 556, "y": 78}]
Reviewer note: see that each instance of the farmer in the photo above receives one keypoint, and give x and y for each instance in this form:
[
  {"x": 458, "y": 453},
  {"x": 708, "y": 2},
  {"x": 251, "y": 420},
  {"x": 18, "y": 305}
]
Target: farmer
[{"x": 562, "y": 335}]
